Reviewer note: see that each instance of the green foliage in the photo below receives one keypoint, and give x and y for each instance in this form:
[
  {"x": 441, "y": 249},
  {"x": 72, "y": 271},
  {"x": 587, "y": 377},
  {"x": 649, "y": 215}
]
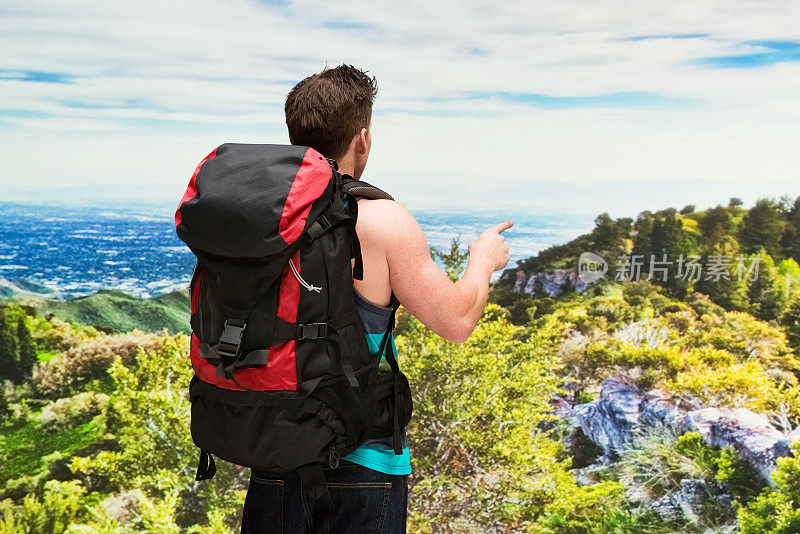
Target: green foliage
[
  {"x": 61, "y": 504},
  {"x": 17, "y": 349},
  {"x": 791, "y": 234},
  {"x": 657, "y": 461},
  {"x": 665, "y": 235},
  {"x": 762, "y": 227},
  {"x": 480, "y": 457},
  {"x": 29, "y": 449},
  {"x": 87, "y": 355},
  {"x": 791, "y": 321},
  {"x": 116, "y": 311},
  {"x": 95, "y": 462},
  {"x": 746, "y": 385},
  {"x": 149, "y": 419},
  {"x": 776, "y": 510},
  {"x": 454, "y": 260},
  {"x": 71, "y": 411},
  {"x": 521, "y": 306},
  {"x": 767, "y": 292}
]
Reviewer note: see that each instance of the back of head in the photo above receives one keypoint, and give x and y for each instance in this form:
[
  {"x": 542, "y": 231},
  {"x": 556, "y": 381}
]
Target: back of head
[{"x": 326, "y": 110}]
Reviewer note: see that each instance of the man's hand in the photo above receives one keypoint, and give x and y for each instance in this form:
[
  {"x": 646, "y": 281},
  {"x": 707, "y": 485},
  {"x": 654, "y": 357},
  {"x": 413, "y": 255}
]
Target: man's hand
[{"x": 491, "y": 247}]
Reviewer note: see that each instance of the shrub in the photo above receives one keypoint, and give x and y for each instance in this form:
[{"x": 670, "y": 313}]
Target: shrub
[
  {"x": 745, "y": 385},
  {"x": 89, "y": 358},
  {"x": 71, "y": 411},
  {"x": 53, "y": 513},
  {"x": 776, "y": 510}
]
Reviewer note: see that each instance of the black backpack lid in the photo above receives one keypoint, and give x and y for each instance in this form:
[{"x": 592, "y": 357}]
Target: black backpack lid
[{"x": 252, "y": 201}]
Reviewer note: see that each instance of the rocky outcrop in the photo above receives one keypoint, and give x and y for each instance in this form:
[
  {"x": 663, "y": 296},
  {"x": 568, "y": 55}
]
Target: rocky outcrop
[
  {"x": 613, "y": 419},
  {"x": 520, "y": 281},
  {"x": 748, "y": 433},
  {"x": 552, "y": 284},
  {"x": 622, "y": 412},
  {"x": 688, "y": 501}
]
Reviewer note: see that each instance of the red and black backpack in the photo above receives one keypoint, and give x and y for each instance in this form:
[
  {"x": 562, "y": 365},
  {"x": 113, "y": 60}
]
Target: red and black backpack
[{"x": 283, "y": 376}]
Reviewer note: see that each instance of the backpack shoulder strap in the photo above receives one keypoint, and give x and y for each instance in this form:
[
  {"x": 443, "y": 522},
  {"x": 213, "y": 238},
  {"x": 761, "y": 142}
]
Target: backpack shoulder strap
[{"x": 361, "y": 189}]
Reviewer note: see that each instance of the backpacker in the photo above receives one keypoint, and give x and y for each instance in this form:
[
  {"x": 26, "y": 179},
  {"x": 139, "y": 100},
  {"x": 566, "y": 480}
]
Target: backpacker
[{"x": 283, "y": 376}]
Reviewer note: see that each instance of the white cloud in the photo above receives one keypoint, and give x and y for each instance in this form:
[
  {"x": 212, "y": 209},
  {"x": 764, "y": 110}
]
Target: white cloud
[{"x": 156, "y": 85}]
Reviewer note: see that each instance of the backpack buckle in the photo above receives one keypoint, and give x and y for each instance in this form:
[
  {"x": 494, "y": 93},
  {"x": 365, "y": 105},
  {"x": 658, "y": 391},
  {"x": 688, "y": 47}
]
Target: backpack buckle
[
  {"x": 231, "y": 337},
  {"x": 312, "y": 330}
]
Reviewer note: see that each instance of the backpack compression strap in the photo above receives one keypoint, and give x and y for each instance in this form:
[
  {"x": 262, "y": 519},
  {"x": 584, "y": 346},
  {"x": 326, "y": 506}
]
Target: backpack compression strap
[{"x": 386, "y": 351}]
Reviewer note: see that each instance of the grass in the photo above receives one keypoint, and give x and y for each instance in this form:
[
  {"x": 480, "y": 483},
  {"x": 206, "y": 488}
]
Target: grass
[
  {"x": 45, "y": 356},
  {"x": 22, "y": 449},
  {"x": 115, "y": 311}
]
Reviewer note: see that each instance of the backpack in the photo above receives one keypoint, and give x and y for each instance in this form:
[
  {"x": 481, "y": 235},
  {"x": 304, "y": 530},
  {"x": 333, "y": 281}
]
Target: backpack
[{"x": 283, "y": 375}]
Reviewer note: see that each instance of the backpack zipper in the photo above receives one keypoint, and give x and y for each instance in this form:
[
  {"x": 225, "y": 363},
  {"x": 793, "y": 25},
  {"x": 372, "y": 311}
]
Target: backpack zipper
[{"x": 300, "y": 278}]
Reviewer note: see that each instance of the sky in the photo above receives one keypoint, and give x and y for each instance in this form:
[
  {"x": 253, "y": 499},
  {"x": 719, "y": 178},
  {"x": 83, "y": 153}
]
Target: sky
[{"x": 536, "y": 107}]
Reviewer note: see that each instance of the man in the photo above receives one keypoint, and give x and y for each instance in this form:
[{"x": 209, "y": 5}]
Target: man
[{"x": 332, "y": 112}]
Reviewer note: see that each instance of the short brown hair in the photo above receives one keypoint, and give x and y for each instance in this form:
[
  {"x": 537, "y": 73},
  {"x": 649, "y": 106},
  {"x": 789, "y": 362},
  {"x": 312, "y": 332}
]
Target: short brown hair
[{"x": 326, "y": 110}]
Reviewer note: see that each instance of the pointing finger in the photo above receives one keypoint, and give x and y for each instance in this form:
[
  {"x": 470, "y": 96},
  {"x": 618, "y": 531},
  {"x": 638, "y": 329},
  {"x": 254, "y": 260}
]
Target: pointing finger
[{"x": 502, "y": 227}]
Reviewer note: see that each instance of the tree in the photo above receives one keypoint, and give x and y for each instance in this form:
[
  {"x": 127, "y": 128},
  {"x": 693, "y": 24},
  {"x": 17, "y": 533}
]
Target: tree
[
  {"x": 791, "y": 323},
  {"x": 767, "y": 292},
  {"x": 642, "y": 231},
  {"x": 608, "y": 234},
  {"x": 763, "y": 226},
  {"x": 662, "y": 239},
  {"x": 776, "y": 510},
  {"x": 687, "y": 209},
  {"x": 790, "y": 271},
  {"x": 26, "y": 347},
  {"x": 791, "y": 234},
  {"x": 454, "y": 261},
  {"x": 735, "y": 202},
  {"x": 726, "y": 290},
  {"x": 715, "y": 225},
  {"x": 9, "y": 353}
]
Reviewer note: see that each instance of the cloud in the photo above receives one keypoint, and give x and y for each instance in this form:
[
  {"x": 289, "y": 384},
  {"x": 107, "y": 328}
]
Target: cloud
[
  {"x": 35, "y": 76},
  {"x": 639, "y": 99},
  {"x": 773, "y": 52},
  {"x": 471, "y": 96},
  {"x": 666, "y": 36}
]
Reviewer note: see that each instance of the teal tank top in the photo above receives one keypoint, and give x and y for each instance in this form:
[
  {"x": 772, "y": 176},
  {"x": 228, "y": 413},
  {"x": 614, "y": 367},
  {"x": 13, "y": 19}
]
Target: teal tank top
[{"x": 378, "y": 454}]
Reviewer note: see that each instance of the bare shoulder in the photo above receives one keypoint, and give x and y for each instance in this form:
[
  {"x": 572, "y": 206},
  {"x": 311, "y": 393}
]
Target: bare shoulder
[{"x": 387, "y": 218}]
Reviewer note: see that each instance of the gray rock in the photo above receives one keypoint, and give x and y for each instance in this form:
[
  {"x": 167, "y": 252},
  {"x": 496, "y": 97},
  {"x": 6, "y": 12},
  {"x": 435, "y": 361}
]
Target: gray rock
[
  {"x": 750, "y": 434},
  {"x": 691, "y": 498},
  {"x": 666, "y": 509},
  {"x": 691, "y": 501},
  {"x": 556, "y": 284},
  {"x": 586, "y": 476},
  {"x": 552, "y": 284},
  {"x": 562, "y": 408},
  {"x": 622, "y": 412},
  {"x": 659, "y": 409},
  {"x": 613, "y": 419},
  {"x": 521, "y": 280},
  {"x": 533, "y": 284}
]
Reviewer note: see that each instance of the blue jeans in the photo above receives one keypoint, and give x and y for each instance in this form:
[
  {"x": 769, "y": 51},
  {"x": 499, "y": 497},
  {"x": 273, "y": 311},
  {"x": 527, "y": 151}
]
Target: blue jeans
[{"x": 359, "y": 501}]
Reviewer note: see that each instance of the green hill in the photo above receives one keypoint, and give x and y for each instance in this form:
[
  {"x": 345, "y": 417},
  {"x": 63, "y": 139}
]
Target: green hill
[{"x": 115, "y": 311}]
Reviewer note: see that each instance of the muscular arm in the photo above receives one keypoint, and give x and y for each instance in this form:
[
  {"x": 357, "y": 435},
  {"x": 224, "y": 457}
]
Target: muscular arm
[{"x": 450, "y": 309}]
